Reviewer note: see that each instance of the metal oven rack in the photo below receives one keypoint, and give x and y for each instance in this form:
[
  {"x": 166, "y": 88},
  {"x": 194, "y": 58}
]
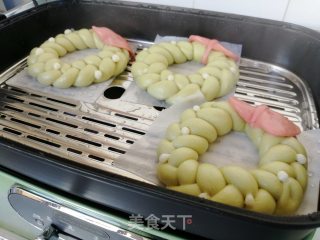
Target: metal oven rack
[{"x": 97, "y": 134}]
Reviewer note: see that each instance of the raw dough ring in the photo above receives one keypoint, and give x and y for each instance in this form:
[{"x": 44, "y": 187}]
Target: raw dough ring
[
  {"x": 276, "y": 187},
  {"x": 45, "y": 65},
  {"x": 150, "y": 72}
]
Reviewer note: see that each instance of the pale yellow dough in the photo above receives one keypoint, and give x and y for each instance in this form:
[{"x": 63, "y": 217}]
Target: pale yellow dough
[
  {"x": 45, "y": 65},
  {"x": 216, "y": 79},
  {"x": 276, "y": 187}
]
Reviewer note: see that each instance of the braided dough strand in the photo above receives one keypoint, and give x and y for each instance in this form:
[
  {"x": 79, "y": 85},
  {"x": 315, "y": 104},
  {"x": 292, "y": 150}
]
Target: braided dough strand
[
  {"x": 45, "y": 65},
  {"x": 275, "y": 187},
  {"x": 216, "y": 79}
]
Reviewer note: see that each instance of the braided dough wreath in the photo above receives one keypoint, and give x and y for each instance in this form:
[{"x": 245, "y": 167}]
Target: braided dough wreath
[
  {"x": 275, "y": 187},
  {"x": 216, "y": 79},
  {"x": 45, "y": 65}
]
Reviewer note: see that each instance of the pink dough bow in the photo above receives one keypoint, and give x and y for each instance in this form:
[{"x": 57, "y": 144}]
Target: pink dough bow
[
  {"x": 109, "y": 37},
  {"x": 211, "y": 44},
  {"x": 263, "y": 117}
]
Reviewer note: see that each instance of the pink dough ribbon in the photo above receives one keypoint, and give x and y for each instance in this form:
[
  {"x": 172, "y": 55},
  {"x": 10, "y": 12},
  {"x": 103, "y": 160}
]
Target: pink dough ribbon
[
  {"x": 109, "y": 37},
  {"x": 263, "y": 117},
  {"x": 211, "y": 44}
]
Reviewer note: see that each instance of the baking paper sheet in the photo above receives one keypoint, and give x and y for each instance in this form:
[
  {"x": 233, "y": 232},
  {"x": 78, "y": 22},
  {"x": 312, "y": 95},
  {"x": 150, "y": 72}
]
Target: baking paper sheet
[
  {"x": 135, "y": 95},
  {"x": 85, "y": 94},
  {"x": 141, "y": 159}
]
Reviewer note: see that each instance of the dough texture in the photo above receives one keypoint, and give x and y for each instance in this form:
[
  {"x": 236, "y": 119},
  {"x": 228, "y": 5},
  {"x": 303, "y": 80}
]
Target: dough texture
[
  {"x": 150, "y": 71},
  {"x": 276, "y": 186},
  {"x": 45, "y": 65}
]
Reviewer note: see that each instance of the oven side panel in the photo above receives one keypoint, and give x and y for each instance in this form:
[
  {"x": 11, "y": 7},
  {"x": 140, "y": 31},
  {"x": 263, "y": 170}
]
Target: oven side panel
[
  {"x": 28, "y": 210},
  {"x": 10, "y": 219}
]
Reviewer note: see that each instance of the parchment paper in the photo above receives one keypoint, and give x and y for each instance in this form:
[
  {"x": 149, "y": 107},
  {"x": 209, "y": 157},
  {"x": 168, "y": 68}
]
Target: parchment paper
[{"x": 141, "y": 159}]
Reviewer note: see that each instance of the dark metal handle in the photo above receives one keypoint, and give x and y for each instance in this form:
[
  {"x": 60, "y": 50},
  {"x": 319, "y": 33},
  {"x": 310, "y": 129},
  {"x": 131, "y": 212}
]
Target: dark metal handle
[{"x": 52, "y": 233}]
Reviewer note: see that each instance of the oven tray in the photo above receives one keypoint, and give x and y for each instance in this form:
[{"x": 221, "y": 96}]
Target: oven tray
[{"x": 96, "y": 134}]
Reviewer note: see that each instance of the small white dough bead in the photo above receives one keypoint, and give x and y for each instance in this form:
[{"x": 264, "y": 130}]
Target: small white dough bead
[
  {"x": 51, "y": 39},
  {"x": 39, "y": 51},
  {"x": 205, "y": 75},
  {"x": 301, "y": 158},
  {"x": 283, "y": 176},
  {"x": 164, "y": 157},
  {"x": 204, "y": 195},
  {"x": 170, "y": 77},
  {"x": 115, "y": 58},
  {"x": 196, "y": 108},
  {"x": 185, "y": 131},
  {"x": 56, "y": 66},
  {"x": 67, "y": 31},
  {"x": 233, "y": 70},
  {"x": 249, "y": 201},
  {"x": 97, "y": 74}
]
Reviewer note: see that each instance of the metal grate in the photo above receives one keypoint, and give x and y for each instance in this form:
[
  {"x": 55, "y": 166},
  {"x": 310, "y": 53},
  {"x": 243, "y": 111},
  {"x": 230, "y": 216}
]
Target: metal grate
[
  {"x": 96, "y": 134},
  {"x": 281, "y": 90}
]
